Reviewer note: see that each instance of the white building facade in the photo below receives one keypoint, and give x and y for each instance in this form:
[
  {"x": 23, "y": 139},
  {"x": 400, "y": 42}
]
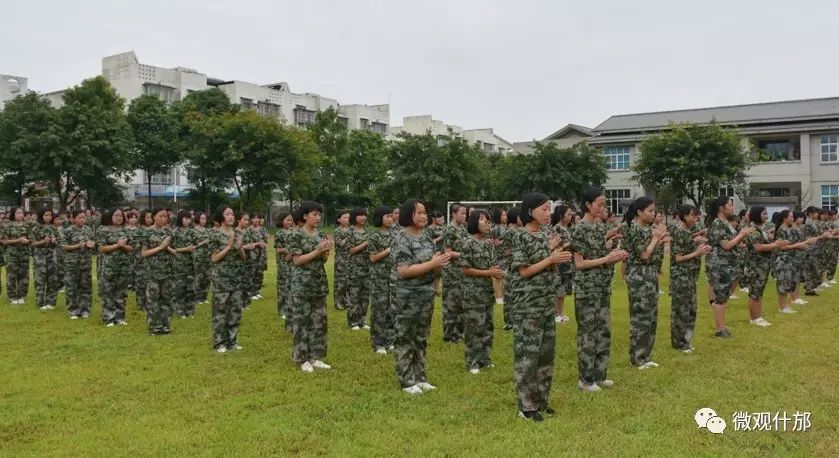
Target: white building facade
[{"x": 11, "y": 87}]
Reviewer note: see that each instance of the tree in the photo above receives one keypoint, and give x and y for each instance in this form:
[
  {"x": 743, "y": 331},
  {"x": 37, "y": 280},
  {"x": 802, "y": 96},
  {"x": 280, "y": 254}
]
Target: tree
[
  {"x": 95, "y": 140},
  {"x": 28, "y": 137},
  {"x": 692, "y": 161},
  {"x": 332, "y": 138},
  {"x": 191, "y": 114},
  {"x": 154, "y": 136},
  {"x": 436, "y": 170},
  {"x": 560, "y": 173},
  {"x": 363, "y": 167}
]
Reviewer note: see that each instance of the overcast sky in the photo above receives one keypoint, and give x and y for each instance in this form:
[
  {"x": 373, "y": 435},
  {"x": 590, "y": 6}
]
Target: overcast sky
[{"x": 525, "y": 68}]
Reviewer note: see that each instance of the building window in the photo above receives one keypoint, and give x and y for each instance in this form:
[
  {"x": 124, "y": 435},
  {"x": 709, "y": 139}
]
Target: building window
[
  {"x": 159, "y": 178},
  {"x": 617, "y": 157},
  {"x": 363, "y": 123},
  {"x": 303, "y": 117},
  {"x": 829, "y": 148},
  {"x": 165, "y": 93},
  {"x": 615, "y": 200},
  {"x": 268, "y": 109},
  {"x": 379, "y": 128},
  {"x": 777, "y": 150},
  {"x": 727, "y": 191},
  {"x": 247, "y": 104},
  {"x": 773, "y": 192},
  {"x": 830, "y": 196}
]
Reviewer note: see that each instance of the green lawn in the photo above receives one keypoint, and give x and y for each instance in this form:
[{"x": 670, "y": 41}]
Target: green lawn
[{"x": 76, "y": 388}]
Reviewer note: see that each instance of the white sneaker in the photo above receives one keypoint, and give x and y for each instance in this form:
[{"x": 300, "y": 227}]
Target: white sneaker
[
  {"x": 237, "y": 347},
  {"x": 391, "y": 347},
  {"x": 85, "y": 315},
  {"x": 475, "y": 371},
  {"x": 221, "y": 349},
  {"x": 355, "y": 328},
  {"x": 687, "y": 351},
  {"x": 799, "y": 301},
  {"x": 832, "y": 282},
  {"x": 366, "y": 327},
  {"x": 74, "y": 317},
  {"x": 183, "y": 317},
  {"x": 562, "y": 319},
  {"x": 744, "y": 290},
  {"x": 824, "y": 285},
  {"x": 606, "y": 383},
  {"x": 109, "y": 325},
  {"x": 381, "y": 351},
  {"x": 307, "y": 367},
  {"x": 760, "y": 322},
  {"x": 283, "y": 317},
  {"x": 733, "y": 297},
  {"x": 425, "y": 386},
  {"x": 318, "y": 364},
  {"x": 652, "y": 364},
  {"x": 413, "y": 389},
  {"x": 122, "y": 323},
  {"x": 591, "y": 388},
  {"x": 255, "y": 298},
  {"x": 788, "y": 310},
  {"x": 44, "y": 308}
]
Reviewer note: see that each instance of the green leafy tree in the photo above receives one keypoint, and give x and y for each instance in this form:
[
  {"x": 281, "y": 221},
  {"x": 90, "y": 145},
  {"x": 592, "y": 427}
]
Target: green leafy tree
[
  {"x": 692, "y": 161},
  {"x": 154, "y": 137},
  {"x": 561, "y": 173}
]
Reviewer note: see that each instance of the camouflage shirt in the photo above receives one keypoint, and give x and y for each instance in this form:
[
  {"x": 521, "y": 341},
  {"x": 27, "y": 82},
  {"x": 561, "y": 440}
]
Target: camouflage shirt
[
  {"x": 73, "y": 235},
  {"x": 39, "y": 232},
  {"x": 16, "y": 253},
  {"x": 718, "y": 232},
  {"x": 227, "y": 273},
  {"x": 407, "y": 250},
  {"x": 534, "y": 296},
  {"x": 477, "y": 254},
  {"x": 435, "y": 232},
  {"x": 182, "y": 238},
  {"x": 358, "y": 264},
  {"x": 308, "y": 279},
  {"x": 636, "y": 239},
  {"x": 201, "y": 255},
  {"x": 377, "y": 242},
  {"x": 564, "y": 234},
  {"x": 118, "y": 261},
  {"x": 589, "y": 240},
  {"x": 682, "y": 244},
  {"x": 758, "y": 237},
  {"x": 453, "y": 239},
  {"x": 160, "y": 265}
]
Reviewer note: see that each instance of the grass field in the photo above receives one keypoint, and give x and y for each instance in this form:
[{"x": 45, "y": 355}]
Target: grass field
[{"x": 76, "y": 388}]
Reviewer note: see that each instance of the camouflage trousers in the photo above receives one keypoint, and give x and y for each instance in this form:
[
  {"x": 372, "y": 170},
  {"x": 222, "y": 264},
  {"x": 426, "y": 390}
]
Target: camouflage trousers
[
  {"x": 452, "y": 308},
  {"x": 203, "y": 274},
  {"x": 812, "y": 272},
  {"x": 183, "y": 292},
  {"x": 227, "y": 314},
  {"x": 642, "y": 285},
  {"x": 478, "y": 329},
  {"x": 594, "y": 336},
  {"x": 284, "y": 293},
  {"x": 508, "y": 301},
  {"x": 17, "y": 278},
  {"x": 381, "y": 315},
  {"x": 534, "y": 346},
  {"x": 159, "y": 305},
  {"x": 413, "y": 309},
  {"x": 832, "y": 260},
  {"x": 720, "y": 277},
  {"x": 140, "y": 286},
  {"x": 682, "y": 310},
  {"x": 755, "y": 278},
  {"x": 46, "y": 274},
  {"x": 358, "y": 297},
  {"x": 113, "y": 292},
  {"x": 308, "y": 327},
  {"x": 341, "y": 284},
  {"x": 257, "y": 276},
  {"x": 564, "y": 284},
  {"x": 77, "y": 282},
  {"x": 58, "y": 256},
  {"x": 786, "y": 275}
]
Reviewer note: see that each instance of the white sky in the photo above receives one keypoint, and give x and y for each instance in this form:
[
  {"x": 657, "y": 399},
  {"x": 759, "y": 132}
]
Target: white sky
[{"x": 525, "y": 68}]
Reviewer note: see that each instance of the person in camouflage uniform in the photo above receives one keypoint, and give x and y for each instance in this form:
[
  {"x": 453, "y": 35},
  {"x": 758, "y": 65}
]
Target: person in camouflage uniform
[
  {"x": 15, "y": 238},
  {"x": 644, "y": 245},
  {"x": 533, "y": 269},
  {"x": 759, "y": 247},
  {"x": 309, "y": 250},
  {"x": 453, "y": 237},
  {"x": 381, "y": 288},
  {"x": 812, "y": 268},
  {"x": 342, "y": 232},
  {"x": 721, "y": 263},
  {"x": 118, "y": 257},
  {"x": 479, "y": 263},
  {"x": 158, "y": 260},
  {"x": 833, "y": 253},
  {"x": 357, "y": 271},
  {"x": 131, "y": 220},
  {"x": 58, "y": 253},
  {"x": 685, "y": 262},
  {"x": 228, "y": 258},
  {"x": 785, "y": 264},
  {"x": 202, "y": 265},
  {"x": 285, "y": 225},
  {"x": 183, "y": 273},
  {"x": 258, "y": 255},
  {"x": 78, "y": 245},
  {"x": 145, "y": 222},
  {"x": 593, "y": 263},
  {"x": 43, "y": 239},
  {"x": 507, "y": 236},
  {"x": 416, "y": 264},
  {"x": 561, "y": 219}
]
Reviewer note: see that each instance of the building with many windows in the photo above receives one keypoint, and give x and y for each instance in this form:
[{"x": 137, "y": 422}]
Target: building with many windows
[
  {"x": 796, "y": 144},
  {"x": 486, "y": 139}
]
